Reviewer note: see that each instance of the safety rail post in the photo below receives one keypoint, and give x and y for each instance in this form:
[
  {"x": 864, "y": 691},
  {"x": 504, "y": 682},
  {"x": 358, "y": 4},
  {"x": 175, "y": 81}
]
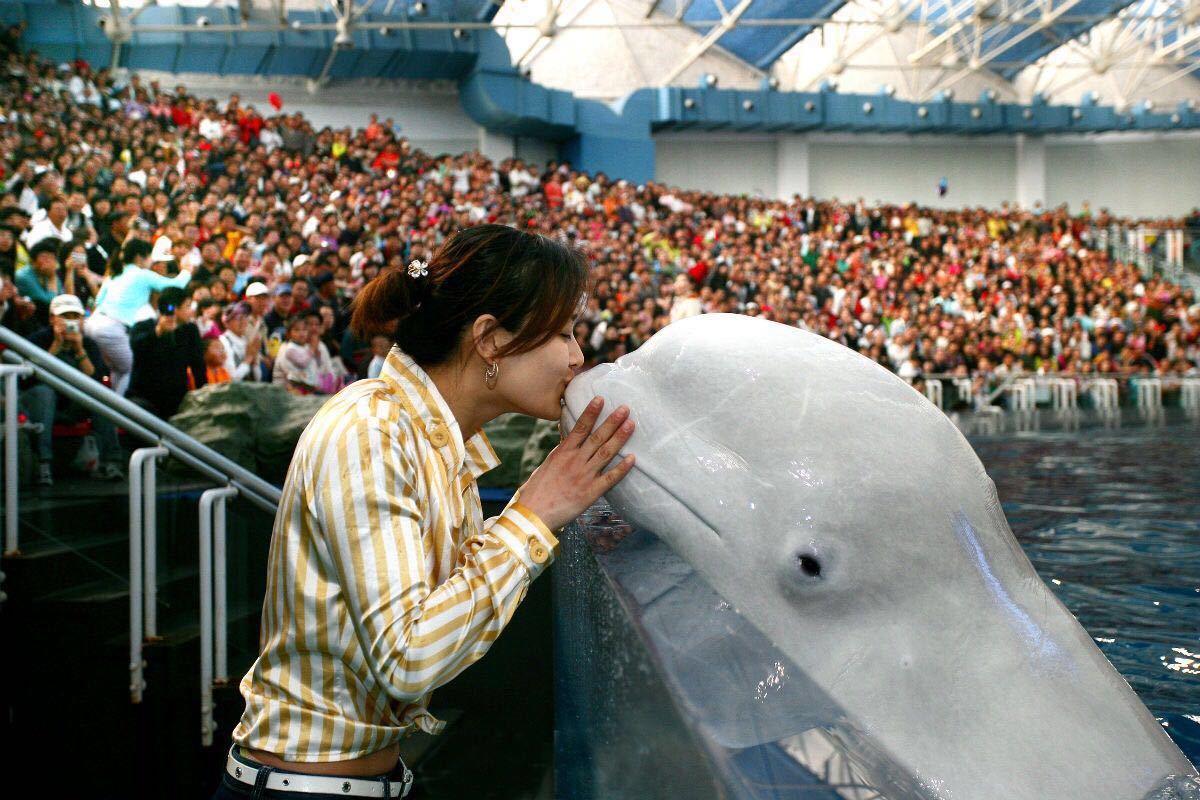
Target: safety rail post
[
  {"x": 1104, "y": 394},
  {"x": 11, "y": 373},
  {"x": 965, "y": 390},
  {"x": 933, "y": 391},
  {"x": 1064, "y": 394},
  {"x": 1022, "y": 393},
  {"x": 1149, "y": 393},
  {"x": 212, "y": 504},
  {"x": 1189, "y": 394},
  {"x": 137, "y": 467}
]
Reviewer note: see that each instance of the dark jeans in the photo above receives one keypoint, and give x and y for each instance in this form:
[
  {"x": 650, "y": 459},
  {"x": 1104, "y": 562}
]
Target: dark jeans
[
  {"x": 43, "y": 405},
  {"x": 232, "y": 789}
]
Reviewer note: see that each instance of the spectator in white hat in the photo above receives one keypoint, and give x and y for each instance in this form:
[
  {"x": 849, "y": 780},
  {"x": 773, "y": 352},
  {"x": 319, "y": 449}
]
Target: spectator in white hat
[
  {"x": 243, "y": 351},
  {"x": 258, "y": 297},
  {"x": 64, "y": 338}
]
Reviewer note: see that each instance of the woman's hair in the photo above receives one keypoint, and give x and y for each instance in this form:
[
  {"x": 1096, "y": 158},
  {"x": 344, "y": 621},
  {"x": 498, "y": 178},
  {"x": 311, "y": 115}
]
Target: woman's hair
[
  {"x": 129, "y": 252},
  {"x": 531, "y": 285}
]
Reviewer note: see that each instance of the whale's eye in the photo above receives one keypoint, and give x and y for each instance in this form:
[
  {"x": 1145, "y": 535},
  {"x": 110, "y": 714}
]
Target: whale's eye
[{"x": 810, "y": 566}]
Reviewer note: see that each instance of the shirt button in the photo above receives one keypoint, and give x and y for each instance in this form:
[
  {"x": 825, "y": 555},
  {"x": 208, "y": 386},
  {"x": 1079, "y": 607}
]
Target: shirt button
[
  {"x": 537, "y": 552},
  {"x": 439, "y": 436}
]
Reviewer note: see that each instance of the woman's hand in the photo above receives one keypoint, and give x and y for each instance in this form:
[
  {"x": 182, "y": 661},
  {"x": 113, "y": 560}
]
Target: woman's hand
[{"x": 573, "y": 476}]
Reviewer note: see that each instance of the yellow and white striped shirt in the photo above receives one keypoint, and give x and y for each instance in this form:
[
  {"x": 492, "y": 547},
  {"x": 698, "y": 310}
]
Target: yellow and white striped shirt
[{"x": 384, "y": 581}]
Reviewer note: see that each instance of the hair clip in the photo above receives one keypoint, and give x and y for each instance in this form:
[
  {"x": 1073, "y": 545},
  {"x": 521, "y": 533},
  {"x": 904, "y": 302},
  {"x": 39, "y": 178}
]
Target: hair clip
[{"x": 418, "y": 269}]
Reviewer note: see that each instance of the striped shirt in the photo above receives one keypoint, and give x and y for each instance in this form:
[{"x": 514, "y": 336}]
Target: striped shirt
[{"x": 384, "y": 581}]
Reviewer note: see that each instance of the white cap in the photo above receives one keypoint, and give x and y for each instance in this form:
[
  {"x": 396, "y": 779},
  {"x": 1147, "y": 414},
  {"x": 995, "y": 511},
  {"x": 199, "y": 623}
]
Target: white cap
[
  {"x": 66, "y": 304},
  {"x": 162, "y": 250},
  {"x": 257, "y": 288}
]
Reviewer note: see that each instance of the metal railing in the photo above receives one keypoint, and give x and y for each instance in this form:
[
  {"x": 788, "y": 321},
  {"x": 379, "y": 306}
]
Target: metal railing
[
  {"x": 1152, "y": 250},
  {"x": 27, "y": 359},
  {"x": 1023, "y": 391}
]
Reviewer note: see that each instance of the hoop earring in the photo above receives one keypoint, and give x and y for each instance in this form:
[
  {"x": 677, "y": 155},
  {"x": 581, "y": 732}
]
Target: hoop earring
[{"x": 490, "y": 375}]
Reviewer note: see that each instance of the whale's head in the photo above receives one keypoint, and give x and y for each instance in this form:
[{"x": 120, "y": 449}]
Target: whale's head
[{"x": 849, "y": 520}]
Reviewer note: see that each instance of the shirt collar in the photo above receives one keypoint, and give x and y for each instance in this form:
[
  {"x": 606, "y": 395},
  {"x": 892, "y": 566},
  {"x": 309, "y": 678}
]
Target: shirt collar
[{"x": 430, "y": 410}]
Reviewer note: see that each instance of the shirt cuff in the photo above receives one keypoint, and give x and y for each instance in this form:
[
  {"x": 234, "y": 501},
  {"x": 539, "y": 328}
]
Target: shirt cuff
[{"x": 524, "y": 533}]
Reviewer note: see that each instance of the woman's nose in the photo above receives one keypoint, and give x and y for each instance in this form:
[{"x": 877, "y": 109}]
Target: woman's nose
[{"x": 576, "y": 355}]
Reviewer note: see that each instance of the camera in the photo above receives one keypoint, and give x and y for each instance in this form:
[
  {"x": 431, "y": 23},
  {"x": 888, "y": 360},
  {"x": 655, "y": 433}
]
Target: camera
[{"x": 71, "y": 326}]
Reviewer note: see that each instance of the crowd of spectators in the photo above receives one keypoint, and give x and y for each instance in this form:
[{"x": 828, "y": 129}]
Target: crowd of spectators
[{"x": 206, "y": 242}]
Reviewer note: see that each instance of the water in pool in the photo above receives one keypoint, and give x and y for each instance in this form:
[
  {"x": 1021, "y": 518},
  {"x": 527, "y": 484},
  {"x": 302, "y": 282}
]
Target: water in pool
[{"x": 1110, "y": 517}]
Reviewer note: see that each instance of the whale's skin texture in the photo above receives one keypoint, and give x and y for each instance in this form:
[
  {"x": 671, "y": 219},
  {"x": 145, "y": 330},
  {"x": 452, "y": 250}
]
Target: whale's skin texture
[{"x": 763, "y": 449}]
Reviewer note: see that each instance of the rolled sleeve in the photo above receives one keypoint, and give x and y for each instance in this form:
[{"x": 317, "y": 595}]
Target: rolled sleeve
[{"x": 526, "y": 536}]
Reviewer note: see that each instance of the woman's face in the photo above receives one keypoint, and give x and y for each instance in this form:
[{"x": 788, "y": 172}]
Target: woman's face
[{"x": 533, "y": 383}]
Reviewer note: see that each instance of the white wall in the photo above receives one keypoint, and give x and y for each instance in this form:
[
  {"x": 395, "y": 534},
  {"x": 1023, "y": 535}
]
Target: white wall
[
  {"x": 979, "y": 172},
  {"x": 536, "y": 151},
  {"x": 726, "y": 163},
  {"x": 1145, "y": 176},
  {"x": 1132, "y": 174}
]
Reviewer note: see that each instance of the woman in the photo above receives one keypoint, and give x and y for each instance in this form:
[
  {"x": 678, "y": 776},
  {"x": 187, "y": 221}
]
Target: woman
[
  {"x": 385, "y": 581},
  {"x": 125, "y": 291}
]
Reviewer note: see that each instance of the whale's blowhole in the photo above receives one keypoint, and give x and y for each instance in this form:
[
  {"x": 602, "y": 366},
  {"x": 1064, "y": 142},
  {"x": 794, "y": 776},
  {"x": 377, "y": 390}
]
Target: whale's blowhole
[{"x": 809, "y": 565}]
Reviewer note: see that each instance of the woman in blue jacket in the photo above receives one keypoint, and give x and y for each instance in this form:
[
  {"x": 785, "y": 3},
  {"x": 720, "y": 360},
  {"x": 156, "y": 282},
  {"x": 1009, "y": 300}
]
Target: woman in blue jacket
[{"x": 126, "y": 289}]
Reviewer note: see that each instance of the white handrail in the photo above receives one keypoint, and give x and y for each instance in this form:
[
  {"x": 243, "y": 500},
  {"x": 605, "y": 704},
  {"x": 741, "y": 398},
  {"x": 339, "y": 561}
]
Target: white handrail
[
  {"x": 11, "y": 373},
  {"x": 212, "y": 497},
  {"x": 137, "y": 465},
  {"x": 139, "y": 422}
]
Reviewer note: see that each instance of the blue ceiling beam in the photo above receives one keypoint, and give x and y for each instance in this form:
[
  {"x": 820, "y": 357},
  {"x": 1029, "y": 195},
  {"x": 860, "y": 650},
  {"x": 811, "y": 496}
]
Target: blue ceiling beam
[
  {"x": 761, "y": 45},
  {"x": 1035, "y": 46}
]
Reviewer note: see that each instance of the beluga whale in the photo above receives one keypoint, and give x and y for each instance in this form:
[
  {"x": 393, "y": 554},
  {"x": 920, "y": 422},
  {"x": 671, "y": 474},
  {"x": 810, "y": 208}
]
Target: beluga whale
[{"x": 850, "y": 522}]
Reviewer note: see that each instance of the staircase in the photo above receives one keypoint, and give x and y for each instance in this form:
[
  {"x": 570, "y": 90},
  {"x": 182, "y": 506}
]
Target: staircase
[{"x": 65, "y": 627}]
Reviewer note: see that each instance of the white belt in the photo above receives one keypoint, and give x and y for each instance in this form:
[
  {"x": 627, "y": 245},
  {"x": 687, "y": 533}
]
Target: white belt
[{"x": 317, "y": 784}]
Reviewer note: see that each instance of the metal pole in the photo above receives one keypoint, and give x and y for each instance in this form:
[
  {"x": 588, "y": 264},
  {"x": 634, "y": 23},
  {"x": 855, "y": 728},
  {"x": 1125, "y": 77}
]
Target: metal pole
[
  {"x": 150, "y": 541},
  {"x": 207, "y": 500},
  {"x": 136, "y": 466},
  {"x": 220, "y": 614},
  {"x": 207, "y": 722},
  {"x": 11, "y": 373}
]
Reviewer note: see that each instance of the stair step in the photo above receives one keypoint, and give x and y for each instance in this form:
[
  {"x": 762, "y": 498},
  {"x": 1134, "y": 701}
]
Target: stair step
[
  {"x": 46, "y": 564},
  {"x": 101, "y": 607}
]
